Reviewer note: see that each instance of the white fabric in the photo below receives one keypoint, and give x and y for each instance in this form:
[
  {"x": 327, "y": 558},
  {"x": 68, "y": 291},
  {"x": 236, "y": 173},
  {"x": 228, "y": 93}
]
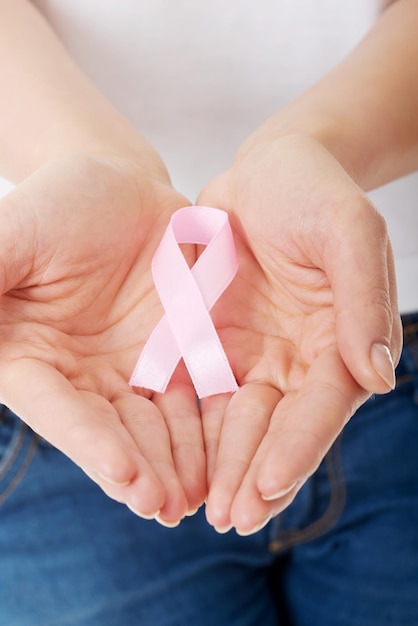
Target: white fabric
[{"x": 197, "y": 77}]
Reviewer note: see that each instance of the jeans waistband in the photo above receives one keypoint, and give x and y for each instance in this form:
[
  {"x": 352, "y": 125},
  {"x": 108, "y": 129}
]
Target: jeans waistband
[{"x": 408, "y": 365}]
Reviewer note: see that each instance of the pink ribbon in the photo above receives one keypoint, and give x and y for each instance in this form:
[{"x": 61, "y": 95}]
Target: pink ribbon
[{"x": 186, "y": 330}]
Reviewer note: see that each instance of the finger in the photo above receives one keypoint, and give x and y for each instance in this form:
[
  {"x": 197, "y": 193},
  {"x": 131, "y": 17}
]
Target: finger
[
  {"x": 83, "y": 426},
  {"x": 148, "y": 429},
  {"x": 213, "y": 410},
  {"x": 360, "y": 266},
  {"x": 397, "y": 330},
  {"x": 302, "y": 429},
  {"x": 215, "y": 193},
  {"x": 245, "y": 424},
  {"x": 180, "y": 409}
]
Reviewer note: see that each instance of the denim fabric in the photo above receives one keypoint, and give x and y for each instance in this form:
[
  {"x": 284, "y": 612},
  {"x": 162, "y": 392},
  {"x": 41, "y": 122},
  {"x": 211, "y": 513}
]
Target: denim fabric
[
  {"x": 345, "y": 553},
  {"x": 355, "y": 563}
]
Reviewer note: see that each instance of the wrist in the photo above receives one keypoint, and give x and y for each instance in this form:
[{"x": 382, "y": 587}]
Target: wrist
[
  {"x": 364, "y": 110},
  {"x": 109, "y": 136},
  {"x": 337, "y": 137},
  {"x": 52, "y": 108},
  {"x": 139, "y": 157}
]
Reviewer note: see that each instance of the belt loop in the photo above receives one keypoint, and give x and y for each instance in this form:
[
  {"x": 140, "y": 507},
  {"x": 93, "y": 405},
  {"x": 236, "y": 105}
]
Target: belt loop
[{"x": 410, "y": 349}]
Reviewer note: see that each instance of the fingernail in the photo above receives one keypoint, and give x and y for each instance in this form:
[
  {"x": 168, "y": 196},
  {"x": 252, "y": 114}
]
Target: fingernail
[
  {"x": 191, "y": 512},
  {"x": 383, "y": 364},
  {"x": 148, "y": 516},
  {"x": 280, "y": 493},
  {"x": 167, "y": 524},
  {"x": 223, "y": 529},
  {"x": 112, "y": 481},
  {"x": 255, "y": 529}
]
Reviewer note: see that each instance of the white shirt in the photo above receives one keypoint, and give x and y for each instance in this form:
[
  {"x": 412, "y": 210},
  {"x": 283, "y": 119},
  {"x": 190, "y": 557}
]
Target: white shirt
[{"x": 198, "y": 76}]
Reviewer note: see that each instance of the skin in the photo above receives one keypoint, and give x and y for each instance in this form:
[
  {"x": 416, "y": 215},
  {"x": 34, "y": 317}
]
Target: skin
[{"x": 310, "y": 324}]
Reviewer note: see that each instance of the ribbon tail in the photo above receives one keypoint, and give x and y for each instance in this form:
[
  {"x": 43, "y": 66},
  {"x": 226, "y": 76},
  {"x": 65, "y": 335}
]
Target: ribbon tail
[{"x": 158, "y": 360}]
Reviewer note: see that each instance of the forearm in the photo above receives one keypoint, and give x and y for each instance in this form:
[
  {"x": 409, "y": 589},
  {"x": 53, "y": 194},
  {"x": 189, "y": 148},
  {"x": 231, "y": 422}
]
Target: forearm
[
  {"x": 49, "y": 107},
  {"x": 365, "y": 111}
]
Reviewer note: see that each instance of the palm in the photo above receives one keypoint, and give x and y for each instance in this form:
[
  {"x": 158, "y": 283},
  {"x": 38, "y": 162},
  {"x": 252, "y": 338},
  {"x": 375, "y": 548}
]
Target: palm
[
  {"x": 275, "y": 319},
  {"x": 79, "y": 305},
  {"x": 277, "y": 324}
]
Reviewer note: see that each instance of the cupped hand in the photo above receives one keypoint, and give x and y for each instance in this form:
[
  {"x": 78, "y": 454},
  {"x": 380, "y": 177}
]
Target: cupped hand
[
  {"x": 310, "y": 325},
  {"x": 78, "y": 303}
]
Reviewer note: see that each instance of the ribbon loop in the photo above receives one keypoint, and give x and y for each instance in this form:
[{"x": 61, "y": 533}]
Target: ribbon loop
[{"x": 186, "y": 330}]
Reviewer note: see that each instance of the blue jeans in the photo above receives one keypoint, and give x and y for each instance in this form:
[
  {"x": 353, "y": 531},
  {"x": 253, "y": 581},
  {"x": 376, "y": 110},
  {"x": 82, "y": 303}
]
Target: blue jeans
[{"x": 345, "y": 553}]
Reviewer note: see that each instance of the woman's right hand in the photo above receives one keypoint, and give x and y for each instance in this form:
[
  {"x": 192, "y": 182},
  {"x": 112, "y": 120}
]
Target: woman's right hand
[{"x": 77, "y": 305}]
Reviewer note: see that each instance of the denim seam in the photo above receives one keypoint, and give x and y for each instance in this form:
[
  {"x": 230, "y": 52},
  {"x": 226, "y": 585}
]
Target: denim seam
[
  {"x": 16, "y": 447},
  {"x": 286, "y": 539},
  {"x": 17, "y": 478}
]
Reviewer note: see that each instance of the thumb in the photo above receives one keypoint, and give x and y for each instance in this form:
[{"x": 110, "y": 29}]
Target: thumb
[
  {"x": 361, "y": 270},
  {"x": 216, "y": 193},
  {"x": 17, "y": 240}
]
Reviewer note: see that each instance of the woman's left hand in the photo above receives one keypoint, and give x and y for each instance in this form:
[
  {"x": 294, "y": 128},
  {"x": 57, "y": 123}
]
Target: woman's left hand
[{"x": 310, "y": 325}]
